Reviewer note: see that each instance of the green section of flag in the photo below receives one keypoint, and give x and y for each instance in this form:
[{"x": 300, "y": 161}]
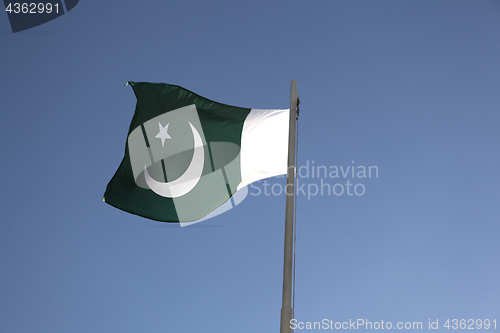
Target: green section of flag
[{"x": 167, "y": 157}]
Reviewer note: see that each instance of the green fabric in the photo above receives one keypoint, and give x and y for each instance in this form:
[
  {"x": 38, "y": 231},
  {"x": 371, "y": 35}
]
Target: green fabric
[{"x": 220, "y": 127}]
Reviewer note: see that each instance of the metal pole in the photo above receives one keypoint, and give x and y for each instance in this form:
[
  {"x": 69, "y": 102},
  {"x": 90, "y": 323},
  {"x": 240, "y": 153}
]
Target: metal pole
[{"x": 286, "y": 309}]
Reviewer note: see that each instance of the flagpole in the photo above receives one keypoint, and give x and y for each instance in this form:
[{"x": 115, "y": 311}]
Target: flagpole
[{"x": 286, "y": 309}]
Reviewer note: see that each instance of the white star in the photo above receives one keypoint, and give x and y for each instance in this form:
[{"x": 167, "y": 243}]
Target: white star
[{"x": 163, "y": 134}]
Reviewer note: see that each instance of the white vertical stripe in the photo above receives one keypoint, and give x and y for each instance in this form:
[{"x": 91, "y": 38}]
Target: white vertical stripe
[{"x": 264, "y": 145}]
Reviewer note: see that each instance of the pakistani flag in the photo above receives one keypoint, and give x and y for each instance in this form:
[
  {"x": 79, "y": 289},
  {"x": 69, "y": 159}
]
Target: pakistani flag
[{"x": 186, "y": 155}]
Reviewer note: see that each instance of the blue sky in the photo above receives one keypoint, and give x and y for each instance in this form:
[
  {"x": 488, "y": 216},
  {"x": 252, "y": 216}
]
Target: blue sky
[{"x": 408, "y": 86}]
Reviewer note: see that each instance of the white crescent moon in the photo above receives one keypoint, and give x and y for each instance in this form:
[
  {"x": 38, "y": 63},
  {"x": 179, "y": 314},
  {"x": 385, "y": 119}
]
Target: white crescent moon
[{"x": 188, "y": 180}]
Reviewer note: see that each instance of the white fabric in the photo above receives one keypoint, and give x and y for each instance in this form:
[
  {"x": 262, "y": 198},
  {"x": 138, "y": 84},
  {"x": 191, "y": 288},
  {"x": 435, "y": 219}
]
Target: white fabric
[{"x": 264, "y": 145}]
